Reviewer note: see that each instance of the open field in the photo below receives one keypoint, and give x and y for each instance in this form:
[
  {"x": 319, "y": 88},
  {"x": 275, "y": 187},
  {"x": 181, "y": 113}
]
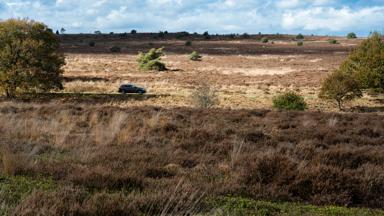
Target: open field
[
  {"x": 87, "y": 150},
  {"x": 246, "y": 73}
]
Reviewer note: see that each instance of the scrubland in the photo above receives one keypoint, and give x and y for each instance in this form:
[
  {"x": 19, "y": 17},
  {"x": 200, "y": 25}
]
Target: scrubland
[{"x": 88, "y": 151}]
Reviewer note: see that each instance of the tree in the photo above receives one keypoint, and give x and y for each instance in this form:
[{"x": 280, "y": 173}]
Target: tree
[
  {"x": 133, "y": 31},
  {"x": 340, "y": 86},
  {"x": 366, "y": 63},
  {"x": 300, "y": 37},
  {"x": 29, "y": 57},
  {"x": 351, "y": 35},
  {"x": 62, "y": 30}
]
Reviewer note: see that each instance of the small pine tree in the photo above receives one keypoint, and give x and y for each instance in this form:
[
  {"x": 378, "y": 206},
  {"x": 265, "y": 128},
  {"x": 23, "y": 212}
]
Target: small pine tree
[
  {"x": 264, "y": 40},
  {"x": 195, "y": 56},
  {"x": 152, "y": 60}
]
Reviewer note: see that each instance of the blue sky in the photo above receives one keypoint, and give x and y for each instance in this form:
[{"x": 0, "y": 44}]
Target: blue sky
[{"x": 326, "y": 17}]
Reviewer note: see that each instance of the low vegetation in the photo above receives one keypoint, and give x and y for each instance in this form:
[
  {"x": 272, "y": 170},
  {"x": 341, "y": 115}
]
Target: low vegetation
[
  {"x": 300, "y": 43},
  {"x": 204, "y": 96},
  {"x": 289, "y": 101},
  {"x": 150, "y": 158},
  {"x": 115, "y": 49},
  {"x": 195, "y": 56},
  {"x": 188, "y": 43},
  {"x": 152, "y": 60},
  {"x": 264, "y": 40},
  {"x": 333, "y": 41}
]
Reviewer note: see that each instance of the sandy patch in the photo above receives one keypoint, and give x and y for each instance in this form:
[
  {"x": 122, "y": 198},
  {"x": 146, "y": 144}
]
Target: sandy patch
[{"x": 250, "y": 71}]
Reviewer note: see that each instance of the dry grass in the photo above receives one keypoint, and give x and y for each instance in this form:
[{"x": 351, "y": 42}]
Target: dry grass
[{"x": 138, "y": 155}]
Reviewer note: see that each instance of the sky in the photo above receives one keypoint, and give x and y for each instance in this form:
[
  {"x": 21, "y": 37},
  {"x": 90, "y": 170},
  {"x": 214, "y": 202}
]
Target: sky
[{"x": 321, "y": 17}]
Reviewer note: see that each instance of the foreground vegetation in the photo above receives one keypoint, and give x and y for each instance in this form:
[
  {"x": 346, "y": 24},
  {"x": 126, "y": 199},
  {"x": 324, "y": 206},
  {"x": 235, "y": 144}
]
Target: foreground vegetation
[{"x": 111, "y": 161}]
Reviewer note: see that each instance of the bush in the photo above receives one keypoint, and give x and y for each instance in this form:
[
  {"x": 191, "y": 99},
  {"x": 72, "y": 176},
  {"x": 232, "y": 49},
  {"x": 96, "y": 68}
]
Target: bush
[
  {"x": 188, "y": 43},
  {"x": 300, "y": 43},
  {"x": 181, "y": 35},
  {"x": 351, "y": 35},
  {"x": 204, "y": 96},
  {"x": 289, "y": 101},
  {"x": 206, "y": 35},
  {"x": 151, "y": 60},
  {"x": 366, "y": 63},
  {"x": 264, "y": 40},
  {"x": 333, "y": 41},
  {"x": 340, "y": 86},
  {"x": 133, "y": 31},
  {"x": 195, "y": 56},
  {"x": 115, "y": 49},
  {"x": 92, "y": 43},
  {"x": 300, "y": 37},
  {"x": 29, "y": 57}
]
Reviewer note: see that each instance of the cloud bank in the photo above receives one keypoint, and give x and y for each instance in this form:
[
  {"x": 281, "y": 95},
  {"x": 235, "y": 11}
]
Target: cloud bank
[{"x": 333, "y": 17}]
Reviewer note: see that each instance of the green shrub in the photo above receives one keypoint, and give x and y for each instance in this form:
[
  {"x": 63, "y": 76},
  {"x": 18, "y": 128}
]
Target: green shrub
[
  {"x": 333, "y": 41},
  {"x": 195, "y": 56},
  {"x": 289, "y": 101},
  {"x": 115, "y": 49},
  {"x": 92, "y": 43},
  {"x": 300, "y": 43},
  {"x": 188, "y": 43},
  {"x": 340, "y": 86},
  {"x": 264, "y": 40},
  {"x": 181, "y": 35},
  {"x": 366, "y": 63},
  {"x": 204, "y": 96},
  {"x": 151, "y": 60},
  {"x": 300, "y": 37},
  {"x": 351, "y": 35}
]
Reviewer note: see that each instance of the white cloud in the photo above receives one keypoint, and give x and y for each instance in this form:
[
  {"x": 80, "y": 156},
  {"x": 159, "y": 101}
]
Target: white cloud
[
  {"x": 221, "y": 16},
  {"x": 332, "y": 19}
]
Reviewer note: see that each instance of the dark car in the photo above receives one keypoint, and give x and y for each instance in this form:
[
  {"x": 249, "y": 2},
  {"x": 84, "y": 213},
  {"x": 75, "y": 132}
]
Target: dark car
[{"x": 129, "y": 88}]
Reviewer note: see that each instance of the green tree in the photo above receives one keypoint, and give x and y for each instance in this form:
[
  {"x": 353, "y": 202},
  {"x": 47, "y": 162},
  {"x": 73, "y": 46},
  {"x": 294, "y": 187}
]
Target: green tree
[
  {"x": 340, "y": 86},
  {"x": 29, "y": 58},
  {"x": 366, "y": 63},
  {"x": 351, "y": 35},
  {"x": 300, "y": 36}
]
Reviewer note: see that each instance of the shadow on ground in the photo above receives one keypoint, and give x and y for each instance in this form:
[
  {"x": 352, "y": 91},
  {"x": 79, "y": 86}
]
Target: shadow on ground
[{"x": 83, "y": 97}]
